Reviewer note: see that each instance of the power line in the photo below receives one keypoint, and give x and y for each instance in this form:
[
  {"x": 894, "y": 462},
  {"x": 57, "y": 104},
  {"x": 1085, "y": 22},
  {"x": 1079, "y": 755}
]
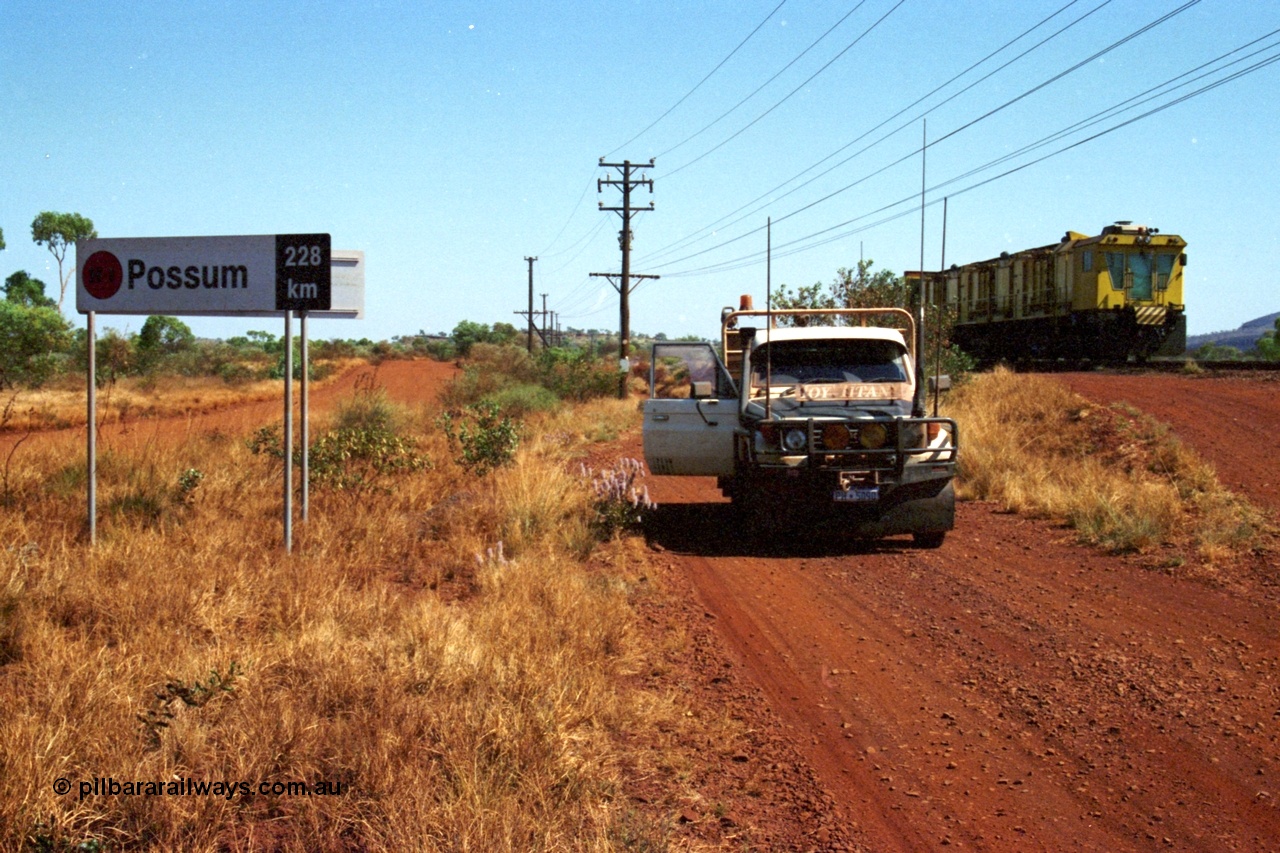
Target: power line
[
  {"x": 572, "y": 213},
  {"x": 909, "y": 122},
  {"x": 789, "y": 95},
  {"x": 1162, "y": 19},
  {"x": 808, "y": 242},
  {"x": 778, "y": 74},
  {"x": 700, "y": 82},
  {"x": 912, "y": 155},
  {"x": 581, "y": 244}
]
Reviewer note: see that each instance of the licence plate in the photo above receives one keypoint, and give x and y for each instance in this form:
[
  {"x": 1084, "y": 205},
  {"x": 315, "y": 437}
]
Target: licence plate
[{"x": 856, "y": 494}]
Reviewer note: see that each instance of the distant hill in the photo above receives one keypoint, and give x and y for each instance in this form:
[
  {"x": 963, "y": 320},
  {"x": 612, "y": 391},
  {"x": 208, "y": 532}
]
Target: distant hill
[{"x": 1242, "y": 338}]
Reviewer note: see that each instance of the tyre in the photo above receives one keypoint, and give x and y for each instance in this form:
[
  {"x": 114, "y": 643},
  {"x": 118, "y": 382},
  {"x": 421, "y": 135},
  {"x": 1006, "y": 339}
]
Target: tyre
[{"x": 929, "y": 540}]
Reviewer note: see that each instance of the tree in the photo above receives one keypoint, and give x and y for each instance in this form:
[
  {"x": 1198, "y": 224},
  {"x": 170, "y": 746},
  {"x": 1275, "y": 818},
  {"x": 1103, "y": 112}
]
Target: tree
[
  {"x": 1269, "y": 344},
  {"x": 851, "y": 288},
  {"x": 163, "y": 335},
  {"x": 29, "y": 338},
  {"x": 863, "y": 288},
  {"x": 25, "y": 290},
  {"x": 1217, "y": 352},
  {"x": 58, "y": 232},
  {"x": 468, "y": 333},
  {"x": 115, "y": 357},
  {"x": 503, "y": 333},
  {"x": 1, "y": 238}
]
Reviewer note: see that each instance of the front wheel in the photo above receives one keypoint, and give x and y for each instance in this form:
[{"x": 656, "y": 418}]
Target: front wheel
[{"x": 929, "y": 540}]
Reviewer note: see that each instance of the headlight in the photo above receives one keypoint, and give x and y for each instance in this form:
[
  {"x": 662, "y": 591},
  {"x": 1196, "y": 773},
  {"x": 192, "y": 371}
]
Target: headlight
[
  {"x": 835, "y": 436},
  {"x": 795, "y": 440},
  {"x": 873, "y": 436}
]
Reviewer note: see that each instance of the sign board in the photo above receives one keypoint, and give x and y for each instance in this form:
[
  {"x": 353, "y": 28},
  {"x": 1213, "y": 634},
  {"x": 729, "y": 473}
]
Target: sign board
[
  {"x": 346, "y": 272},
  {"x": 228, "y": 276}
]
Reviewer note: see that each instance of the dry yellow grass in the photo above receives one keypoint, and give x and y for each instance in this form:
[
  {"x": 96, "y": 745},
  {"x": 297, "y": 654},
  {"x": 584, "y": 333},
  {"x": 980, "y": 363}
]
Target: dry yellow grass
[
  {"x": 442, "y": 652},
  {"x": 1115, "y": 475},
  {"x": 63, "y": 403}
]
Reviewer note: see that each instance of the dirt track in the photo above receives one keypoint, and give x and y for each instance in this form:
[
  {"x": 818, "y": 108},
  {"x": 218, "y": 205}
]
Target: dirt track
[
  {"x": 1010, "y": 691},
  {"x": 411, "y": 382}
]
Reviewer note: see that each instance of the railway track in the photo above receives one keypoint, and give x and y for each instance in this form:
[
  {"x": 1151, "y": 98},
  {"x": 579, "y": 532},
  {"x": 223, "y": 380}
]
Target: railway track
[{"x": 1156, "y": 365}]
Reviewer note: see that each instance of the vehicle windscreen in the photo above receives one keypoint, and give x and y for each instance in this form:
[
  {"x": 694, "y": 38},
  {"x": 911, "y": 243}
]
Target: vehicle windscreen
[{"x": 829, "y": 361}]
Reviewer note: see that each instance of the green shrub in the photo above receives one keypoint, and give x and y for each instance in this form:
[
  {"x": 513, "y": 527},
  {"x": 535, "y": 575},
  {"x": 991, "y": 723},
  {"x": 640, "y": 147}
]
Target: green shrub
[
  {"x": 439, "y": 350},
  {"x": 486, "y": 438},
  {"x": 365, "y": 446},
  {"x": 576, "y": 374},
  {"x": 369, "y": 408},
  {"x": 489, "y": 369},
  {"x": 234, "y": 373},
  {"x": 618, "y": 501},
  {"x": 521, "y": 400},
  {"x": 356, "y": 460}
]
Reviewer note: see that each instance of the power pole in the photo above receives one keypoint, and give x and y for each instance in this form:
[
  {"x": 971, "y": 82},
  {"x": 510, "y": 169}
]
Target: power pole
[
  {"x": 530, "y": 343},
  {"x": 546, "y": 341},
  {"x": 627, "y": 183}
]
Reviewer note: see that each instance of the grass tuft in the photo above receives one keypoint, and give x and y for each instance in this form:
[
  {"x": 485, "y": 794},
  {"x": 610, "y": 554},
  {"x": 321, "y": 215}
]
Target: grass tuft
[{"x": 1122, "y": 480}]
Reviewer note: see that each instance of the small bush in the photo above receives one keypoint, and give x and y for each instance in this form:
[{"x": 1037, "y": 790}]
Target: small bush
[
  {"x": 521, "y": 400},
  {"x": 618, "y": 502},
  {"x": 369, "y": 409},
  {"x": 365, "y": 446},
  {"x": 234, "y": 373},
  {"x": 440, "y": 350},
  {"x": 356, "y": 460},
  {"x": 576, "y": 374},
  {"x": 486, "y": 438}
]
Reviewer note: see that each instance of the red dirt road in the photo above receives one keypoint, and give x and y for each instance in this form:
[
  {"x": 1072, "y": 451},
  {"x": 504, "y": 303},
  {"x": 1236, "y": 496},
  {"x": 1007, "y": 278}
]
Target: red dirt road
[{"x": 1011, "y": 690}]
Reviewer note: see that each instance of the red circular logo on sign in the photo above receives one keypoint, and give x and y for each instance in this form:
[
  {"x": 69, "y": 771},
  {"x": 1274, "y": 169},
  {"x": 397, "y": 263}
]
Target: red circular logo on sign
[{"x": 102, "y": 275}]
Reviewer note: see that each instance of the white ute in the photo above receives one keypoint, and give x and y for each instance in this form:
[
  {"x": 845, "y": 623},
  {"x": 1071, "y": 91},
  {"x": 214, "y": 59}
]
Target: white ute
[{"x": 809, "y": 425}]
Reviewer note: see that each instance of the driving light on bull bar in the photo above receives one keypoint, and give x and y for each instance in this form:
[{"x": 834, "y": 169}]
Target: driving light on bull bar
[
  {"x": 835, "y": 436},
  {"x": 795, "y": 440},
  {"x": 873, "y": 436}
]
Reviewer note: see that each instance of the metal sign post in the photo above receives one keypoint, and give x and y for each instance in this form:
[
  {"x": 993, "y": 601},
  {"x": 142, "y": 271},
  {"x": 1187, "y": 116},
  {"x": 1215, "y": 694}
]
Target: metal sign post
[
  {"x": 92, "y": 431},
  {"x": 306, "y": 445},
  {"x": 288, "y": 432}
]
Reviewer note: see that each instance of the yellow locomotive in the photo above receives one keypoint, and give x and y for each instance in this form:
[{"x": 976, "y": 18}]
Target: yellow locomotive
[{"x": 1107, "y": 298}]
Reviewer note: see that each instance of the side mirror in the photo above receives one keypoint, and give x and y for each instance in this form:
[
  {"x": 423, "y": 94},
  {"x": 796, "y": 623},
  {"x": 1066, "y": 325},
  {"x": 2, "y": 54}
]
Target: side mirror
[
  {"x": 701, "y": 390},
  {"x": 940, "y": 383}
]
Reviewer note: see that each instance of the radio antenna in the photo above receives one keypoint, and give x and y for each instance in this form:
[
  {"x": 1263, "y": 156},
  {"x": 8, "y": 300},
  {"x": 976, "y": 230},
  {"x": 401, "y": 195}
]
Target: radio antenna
[
  {"x": 768, "y": 314},
  {"x": 940, "y": 306},
  {"x": 919, "y": 342}
]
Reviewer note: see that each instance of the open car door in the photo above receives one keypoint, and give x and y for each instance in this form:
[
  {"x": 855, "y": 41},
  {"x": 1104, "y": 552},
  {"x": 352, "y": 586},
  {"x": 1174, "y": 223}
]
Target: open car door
[{"x": 692, "y": 411}]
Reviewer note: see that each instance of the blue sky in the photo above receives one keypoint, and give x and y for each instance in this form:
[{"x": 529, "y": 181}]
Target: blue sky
[{"x": 450, "y": 140}]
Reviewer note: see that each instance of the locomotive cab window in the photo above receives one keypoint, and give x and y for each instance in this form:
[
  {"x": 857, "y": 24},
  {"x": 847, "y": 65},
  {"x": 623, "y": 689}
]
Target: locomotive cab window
[
  {"x": 1115, "y": 266},
  {"x": 1130, "y": 272},
  {"x": 1164, "y": 269},
  {"x": 1139, "y": 283}
]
